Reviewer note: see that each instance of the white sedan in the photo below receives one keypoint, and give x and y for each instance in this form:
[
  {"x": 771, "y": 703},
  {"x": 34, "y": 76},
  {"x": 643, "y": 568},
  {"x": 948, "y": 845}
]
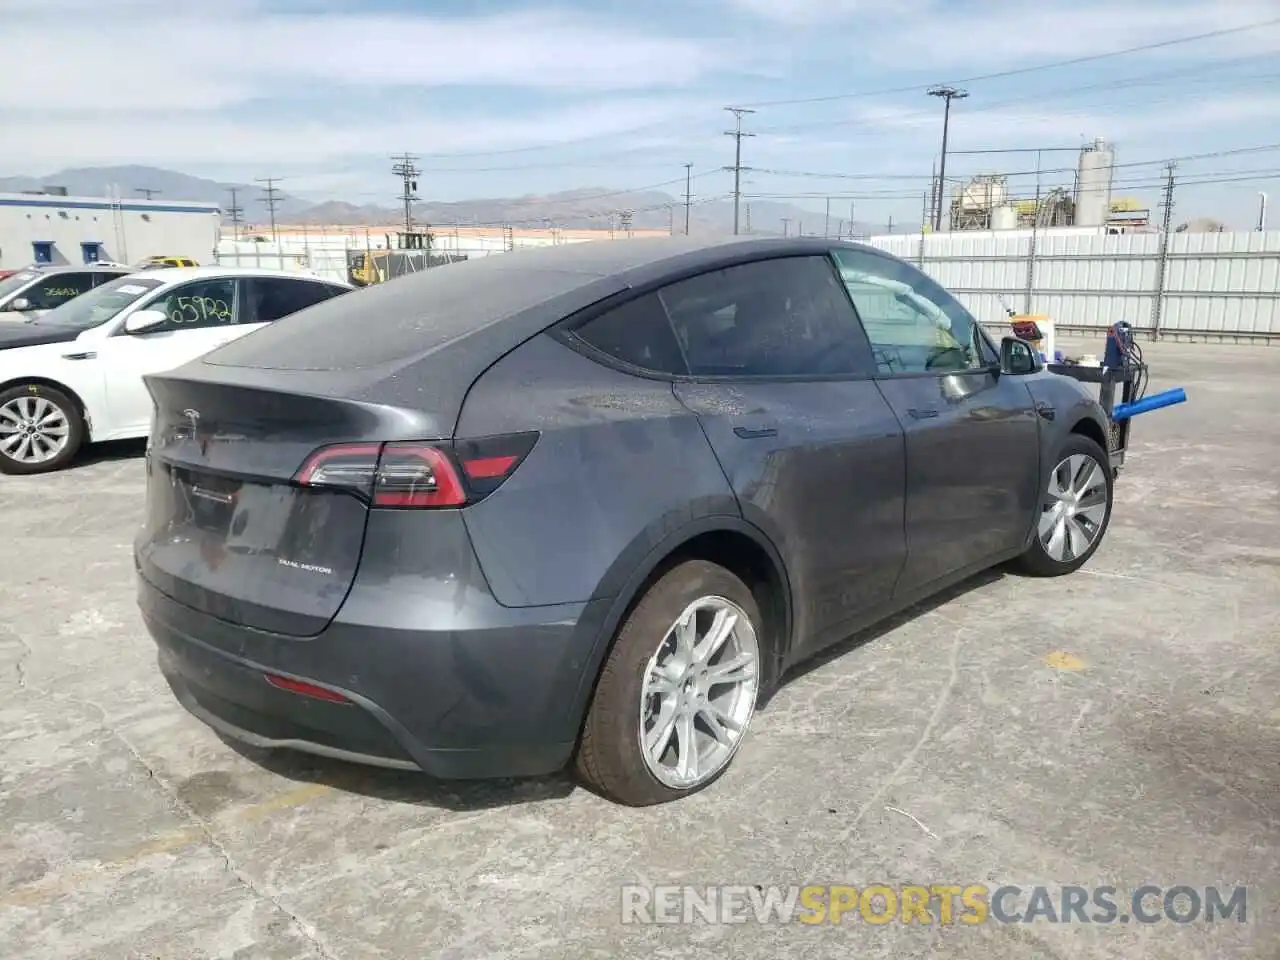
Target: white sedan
[{"x": 74, "y": 375}]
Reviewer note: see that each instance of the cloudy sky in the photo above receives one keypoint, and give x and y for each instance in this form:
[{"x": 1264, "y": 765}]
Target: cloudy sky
[{"x": 503, "y": 98}]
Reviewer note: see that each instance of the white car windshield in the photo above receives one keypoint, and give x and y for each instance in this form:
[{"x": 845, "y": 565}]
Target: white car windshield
[
  {"x": 19, "y": 280},
  {"x": 98, "y": 305}
]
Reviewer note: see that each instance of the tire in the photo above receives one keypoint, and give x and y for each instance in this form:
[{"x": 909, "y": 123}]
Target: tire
[
  {"x": 1040, "y": 559},
  {"x": 611, "y": 759},
  {"x": 36, "y": 397}
]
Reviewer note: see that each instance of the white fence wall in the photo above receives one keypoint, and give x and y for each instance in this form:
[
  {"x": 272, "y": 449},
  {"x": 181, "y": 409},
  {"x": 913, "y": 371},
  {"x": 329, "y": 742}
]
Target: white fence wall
[
  {"x": 1198, "y": 286},
  {"x": 325, "y": 255}
]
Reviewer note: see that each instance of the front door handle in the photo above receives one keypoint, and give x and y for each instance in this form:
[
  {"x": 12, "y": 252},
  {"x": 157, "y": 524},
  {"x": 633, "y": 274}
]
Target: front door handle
[
  {"x": 923, "y": 413},
  {"x": 752, "y": 433}
]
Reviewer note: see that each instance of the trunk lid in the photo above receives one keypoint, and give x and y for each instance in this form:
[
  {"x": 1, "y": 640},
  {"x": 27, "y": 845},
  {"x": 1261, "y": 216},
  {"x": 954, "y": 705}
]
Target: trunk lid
[{"x": 227, "y": 531}]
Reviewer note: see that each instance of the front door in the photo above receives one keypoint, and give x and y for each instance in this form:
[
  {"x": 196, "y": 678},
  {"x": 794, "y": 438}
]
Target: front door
[
  {"x": 971, "y": 434},
  {"x": 202, "y": 315},
  {"x": 813, "y": 452}
]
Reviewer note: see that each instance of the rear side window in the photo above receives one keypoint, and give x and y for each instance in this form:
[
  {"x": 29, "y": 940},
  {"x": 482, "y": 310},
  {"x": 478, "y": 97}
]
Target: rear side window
[
  {"x": 787, "y": 317},
  {"x": 56, "y": 290},
  {"x": 638, "y": 333},
  {"x": 271, "y": 298}
]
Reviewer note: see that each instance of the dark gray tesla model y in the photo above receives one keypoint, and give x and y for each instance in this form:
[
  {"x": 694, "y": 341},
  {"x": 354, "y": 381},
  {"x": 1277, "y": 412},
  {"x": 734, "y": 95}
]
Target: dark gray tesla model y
[{"x": 588, "y": 503}]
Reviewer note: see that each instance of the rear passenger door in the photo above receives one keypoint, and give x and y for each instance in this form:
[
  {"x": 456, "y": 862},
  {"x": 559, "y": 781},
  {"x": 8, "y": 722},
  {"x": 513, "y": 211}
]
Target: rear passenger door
[
  {"x": 778, "y": 372},
  {"x": 972, "y": 435}
]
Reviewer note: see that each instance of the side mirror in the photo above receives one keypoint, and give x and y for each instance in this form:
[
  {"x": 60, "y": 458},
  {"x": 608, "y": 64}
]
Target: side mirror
[
  {"x": 1018, "y": 357},
  {"x": 145, "y": 320},
  {"x": 20, "y": 305}
]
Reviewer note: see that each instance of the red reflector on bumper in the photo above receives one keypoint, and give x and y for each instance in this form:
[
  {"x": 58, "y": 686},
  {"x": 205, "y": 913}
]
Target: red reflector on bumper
[{"x": 305, "y": 689}]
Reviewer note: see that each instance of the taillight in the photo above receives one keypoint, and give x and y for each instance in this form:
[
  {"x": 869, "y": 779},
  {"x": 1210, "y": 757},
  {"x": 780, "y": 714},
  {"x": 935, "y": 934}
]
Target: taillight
[
  {"x": 488, "y": 461},
  {"x": 417, "y": 474}
]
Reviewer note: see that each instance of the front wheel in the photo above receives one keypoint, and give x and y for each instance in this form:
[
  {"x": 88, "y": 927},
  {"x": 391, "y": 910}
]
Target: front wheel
[
  {"x": 40, "y": 429},
  {"x": 1075, "y": 510},
  {"x": 678, "y": 690}
]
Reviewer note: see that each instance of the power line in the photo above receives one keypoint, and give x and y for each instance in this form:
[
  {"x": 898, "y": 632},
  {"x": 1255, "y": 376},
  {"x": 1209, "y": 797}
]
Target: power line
[
  {"x": 1056, "y": 93},
  {"x": 1020, "y": 71},
  {"x": 737, "y": 168},
  {"x": 406, "y": 170},
  {"x": 270, "y": 196}
]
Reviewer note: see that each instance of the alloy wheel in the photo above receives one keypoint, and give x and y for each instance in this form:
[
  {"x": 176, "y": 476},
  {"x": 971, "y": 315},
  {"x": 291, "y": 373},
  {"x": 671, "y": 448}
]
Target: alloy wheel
[
  {"x": 1075, "y": 508},
  {"x": 33, "y": 429},
  {"x": 699, "y": 693}
]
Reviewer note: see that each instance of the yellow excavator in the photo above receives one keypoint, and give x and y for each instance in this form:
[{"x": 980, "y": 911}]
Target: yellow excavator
[{"x": 411, "y": 253}]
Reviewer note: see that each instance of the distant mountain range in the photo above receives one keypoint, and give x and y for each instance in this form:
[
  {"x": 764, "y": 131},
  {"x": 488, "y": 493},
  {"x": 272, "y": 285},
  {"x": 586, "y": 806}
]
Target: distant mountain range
[{"x": 574, "y": 209}]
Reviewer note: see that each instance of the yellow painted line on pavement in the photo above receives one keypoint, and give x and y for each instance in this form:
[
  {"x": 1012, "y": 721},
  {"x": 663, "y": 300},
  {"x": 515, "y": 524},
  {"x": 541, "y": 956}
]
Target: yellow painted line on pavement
[
  {"x": 52, "y": 886},
  {"x": 1061, "y": 660}
]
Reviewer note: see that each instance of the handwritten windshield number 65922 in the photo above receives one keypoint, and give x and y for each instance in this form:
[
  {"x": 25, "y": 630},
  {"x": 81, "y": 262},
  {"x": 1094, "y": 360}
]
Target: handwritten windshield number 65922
[{"x": 193, "y": 310}]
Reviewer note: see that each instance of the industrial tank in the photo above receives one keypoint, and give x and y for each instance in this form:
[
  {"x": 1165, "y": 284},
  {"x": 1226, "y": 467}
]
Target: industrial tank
[
  {"x": 1093, "y": 184},
  {"x": 1004, "y": 217}
]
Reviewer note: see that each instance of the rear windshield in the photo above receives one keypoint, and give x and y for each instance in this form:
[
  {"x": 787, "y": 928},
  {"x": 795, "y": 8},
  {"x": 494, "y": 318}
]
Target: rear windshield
[{"x": 398, "y": 319}]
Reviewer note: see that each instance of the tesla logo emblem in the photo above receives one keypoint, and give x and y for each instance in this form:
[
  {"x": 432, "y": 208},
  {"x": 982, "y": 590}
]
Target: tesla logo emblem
[{"x": 193, "y": 417}]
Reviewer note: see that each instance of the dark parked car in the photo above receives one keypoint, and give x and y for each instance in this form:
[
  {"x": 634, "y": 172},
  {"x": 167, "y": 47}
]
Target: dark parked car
[
  {"x": 30, "y": 293},
  {"x": 589, "y": 502}
]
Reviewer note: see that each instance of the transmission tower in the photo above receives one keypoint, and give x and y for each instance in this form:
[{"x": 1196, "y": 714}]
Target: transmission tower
[
  {"x": 406, "y": 169},
  {"x": 271, "y": 196},
  {"x": 1162, "y": 262},
  {"x": 688, "y": 194},
  {"x": 235, "y": 212},
  {"x": 737, "y": 167}
]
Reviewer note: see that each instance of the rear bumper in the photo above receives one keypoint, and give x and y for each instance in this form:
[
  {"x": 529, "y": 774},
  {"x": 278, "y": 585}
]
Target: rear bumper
[{"x": 490, "y": 693}]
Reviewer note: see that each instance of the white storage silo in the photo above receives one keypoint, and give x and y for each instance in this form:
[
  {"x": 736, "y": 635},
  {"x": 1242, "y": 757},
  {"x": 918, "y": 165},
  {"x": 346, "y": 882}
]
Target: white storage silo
[{"x": 1093, "y": 184}]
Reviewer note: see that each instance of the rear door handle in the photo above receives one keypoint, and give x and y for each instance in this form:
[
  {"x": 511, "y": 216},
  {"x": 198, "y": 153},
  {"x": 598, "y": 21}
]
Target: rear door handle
[
  {"x": 752, "y": 433},
  {"x": 923, "y": 413}
]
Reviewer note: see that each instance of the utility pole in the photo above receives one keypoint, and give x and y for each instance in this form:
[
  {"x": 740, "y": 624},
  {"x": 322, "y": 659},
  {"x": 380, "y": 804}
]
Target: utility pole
[
  {"x": 146, "y": 194},
  {"x": 947, "y": 94},
  {"x": 891, "y": 223},
  {"x": 1162, "y": 265},
  {"x": 1262, "y": 211},
  {"x": 406, "y": 169},
  {"x": 270, "y": 196},
  {"x": 747, "y": 220},
  {"x": 234, "y": 213},
  {"x": 786, "y": 224},
  {"x": 688, "y": 194},
  {"x": 826, "y": 223},
  {"x": 737, "y": 167}
]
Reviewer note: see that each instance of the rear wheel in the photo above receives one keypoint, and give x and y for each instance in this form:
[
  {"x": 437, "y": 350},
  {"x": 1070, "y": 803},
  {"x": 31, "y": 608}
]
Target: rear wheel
[
  {"x": 40, "y": 429},
  {"x": 1075, "y": 510},
  {"x": 678, "y": 690}
]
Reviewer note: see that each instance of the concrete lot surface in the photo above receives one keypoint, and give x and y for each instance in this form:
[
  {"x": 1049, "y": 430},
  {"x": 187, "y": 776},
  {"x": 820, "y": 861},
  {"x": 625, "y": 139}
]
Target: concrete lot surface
[{"x": 1117, "y": 727}]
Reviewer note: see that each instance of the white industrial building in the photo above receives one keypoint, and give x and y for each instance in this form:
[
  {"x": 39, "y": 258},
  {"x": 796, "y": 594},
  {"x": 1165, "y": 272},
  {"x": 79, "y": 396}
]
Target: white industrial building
[{"x": 50, "y": 228}]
